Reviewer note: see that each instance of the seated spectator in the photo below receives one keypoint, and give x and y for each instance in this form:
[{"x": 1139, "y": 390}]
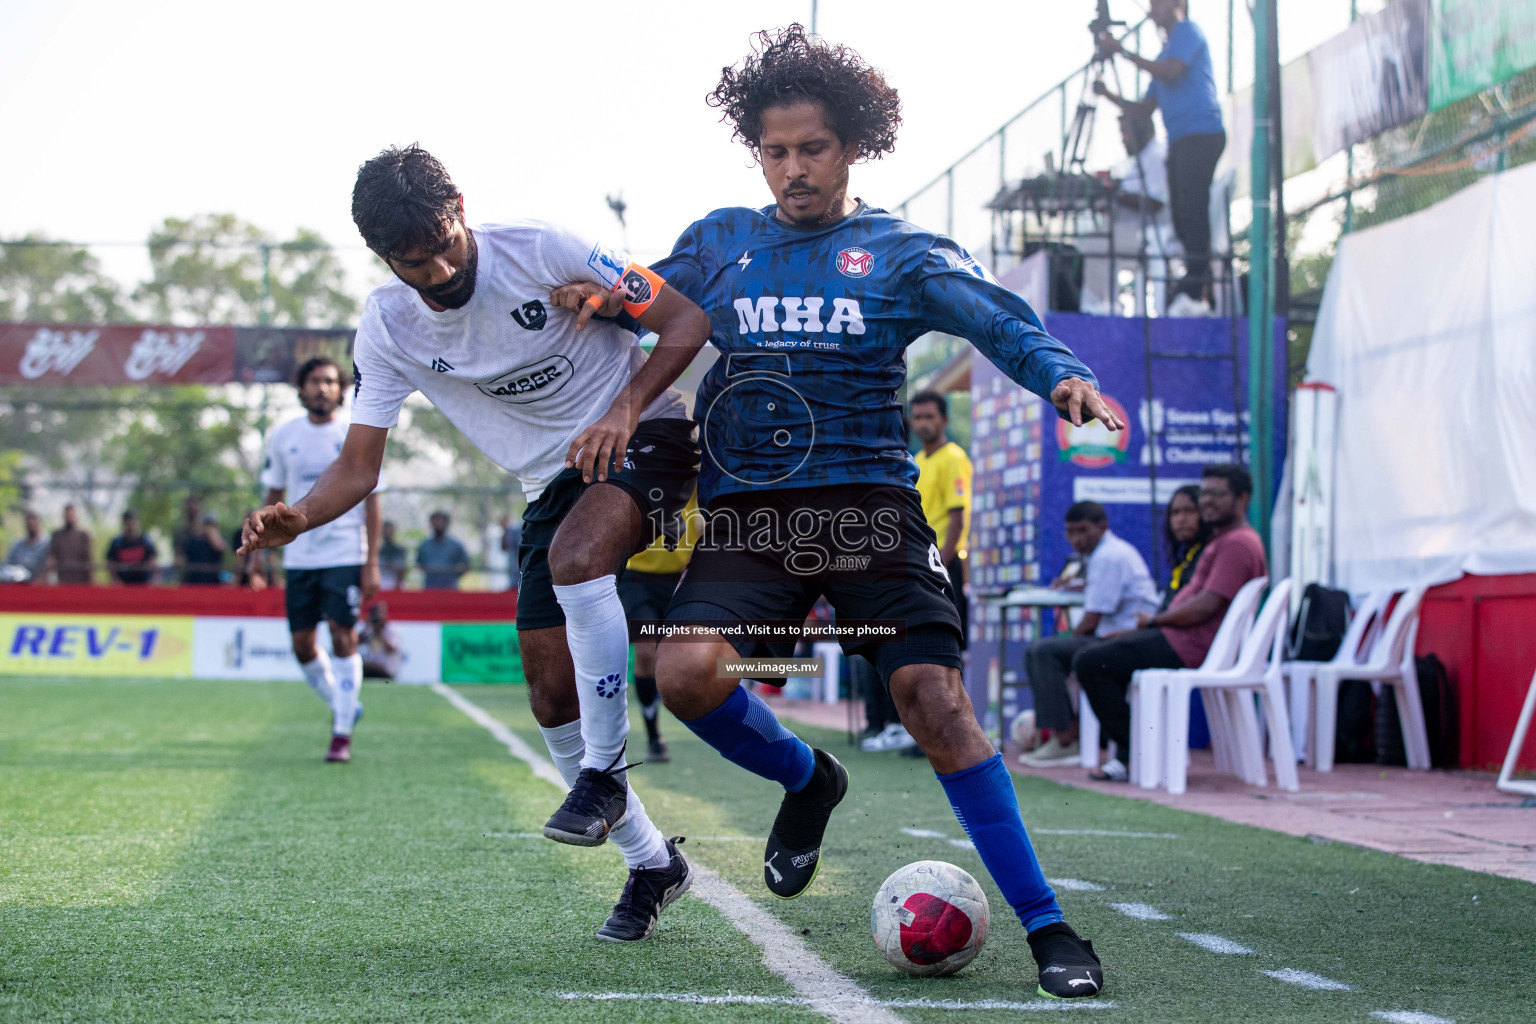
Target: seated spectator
[
  {"x": 1118, "y": 590},
  {"x": 202, "y": 553},
  {"x": 1186, "y": 535},
  {"x": 69, "y": 550},
  {"x": 378, "y": 642},
  {"x": 191, "y": 516},
  {"x": 131, "y": 557},
  {"x": 31, "y": 551},
  {"x": 1180, "y": 636},
  {"x": 393, "y": 559},
  {"x": 441, "y": 557}
]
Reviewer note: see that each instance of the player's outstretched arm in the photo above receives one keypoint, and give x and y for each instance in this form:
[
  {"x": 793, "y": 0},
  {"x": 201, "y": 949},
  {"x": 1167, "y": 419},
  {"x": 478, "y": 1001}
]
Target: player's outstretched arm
[
  {"x": 960, "y": 298},
  {"x": 345, "y": 482},
  {"x": 681, "y": 329}
]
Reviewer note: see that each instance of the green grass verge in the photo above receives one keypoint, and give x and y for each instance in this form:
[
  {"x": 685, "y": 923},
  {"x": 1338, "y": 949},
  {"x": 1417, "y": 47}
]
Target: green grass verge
[{"x": 178, "y": 851}]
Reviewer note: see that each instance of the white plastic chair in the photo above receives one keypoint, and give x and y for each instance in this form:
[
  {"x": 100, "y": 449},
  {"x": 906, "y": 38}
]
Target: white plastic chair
[
  {"x": 1227, "y": 692},
  {"x": 1507, "y": 781},
  {"x": 1358, "y": 640},
  {"x": 1391, "y": 664},
  {"x": 1146, "y": 697}
]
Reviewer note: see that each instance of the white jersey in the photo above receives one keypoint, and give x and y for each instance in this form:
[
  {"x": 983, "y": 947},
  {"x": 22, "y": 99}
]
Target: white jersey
[
  {"x": 297, "y": 453},
  {"x": 508, "y": 369}
]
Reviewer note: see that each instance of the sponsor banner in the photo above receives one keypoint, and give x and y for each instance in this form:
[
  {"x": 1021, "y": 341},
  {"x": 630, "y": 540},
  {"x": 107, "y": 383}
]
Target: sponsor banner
[
  {"x": 96, "y": 645},
  {"x": 1126, "y": 491},
  {"x": 1370, "y": 77},
  {"x": 481, "y": 652},
  {"x": 261, "y": 648},
  {"x": 1476, "y": 44},
  {"x": 96, "y": 354},
  {"x": 273, "y": 354}
]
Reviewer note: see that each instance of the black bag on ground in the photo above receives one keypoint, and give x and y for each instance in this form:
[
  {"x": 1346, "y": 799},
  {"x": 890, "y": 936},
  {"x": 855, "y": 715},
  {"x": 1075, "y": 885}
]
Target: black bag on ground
[
  {"x": 1320, "y": 624},
  {"x": 1440, "y": 718},
  {"x": 1355, "y": 735}
]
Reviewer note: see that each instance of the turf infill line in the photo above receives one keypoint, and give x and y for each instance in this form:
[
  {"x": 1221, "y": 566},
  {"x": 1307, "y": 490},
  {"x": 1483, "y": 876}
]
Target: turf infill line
[
  {"x": 1215, "y": 943},
  {"x": 824, "y": 990},
  {"x": 924, "y": 833},
  {"x": 691, "y": 839},
  {"x": 1074, "y": 885},
  {"x": 1108, "y": 833},
  {"x": 1141, "y": 912},
  {"x": 1034, "y": 1005},
  {"x": 1409, "y": 1017},
  {"x": 1306, "y": 979}
]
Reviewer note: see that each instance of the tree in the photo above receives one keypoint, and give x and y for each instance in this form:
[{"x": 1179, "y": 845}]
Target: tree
[
  {"x": 218, "y": 269},
  {"x": 55, "y": 282},
  {"x": 186, "y": 440}
]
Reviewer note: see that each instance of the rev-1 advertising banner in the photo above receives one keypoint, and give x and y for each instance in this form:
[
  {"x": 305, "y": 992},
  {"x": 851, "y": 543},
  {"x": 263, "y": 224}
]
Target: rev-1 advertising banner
[{"x": 96, "y": 645}]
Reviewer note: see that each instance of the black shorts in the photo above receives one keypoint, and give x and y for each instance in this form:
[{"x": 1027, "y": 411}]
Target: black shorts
[
  {"x": 647, "y": 594},
  {"x": 334, "y": 594},
  {"x": 767, "y": 556},
  {"x": 661, "y": 470}
]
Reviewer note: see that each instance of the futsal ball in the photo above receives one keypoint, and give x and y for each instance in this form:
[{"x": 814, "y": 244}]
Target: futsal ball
[
  {"x": 930, "y": 919},
  {"x": 1025, "y": 736}
]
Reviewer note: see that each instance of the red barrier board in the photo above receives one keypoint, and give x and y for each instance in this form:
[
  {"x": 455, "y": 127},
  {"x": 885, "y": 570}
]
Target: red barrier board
[
  {"x": 405, "y": 605},
  {"x": 114, "y": 354}
]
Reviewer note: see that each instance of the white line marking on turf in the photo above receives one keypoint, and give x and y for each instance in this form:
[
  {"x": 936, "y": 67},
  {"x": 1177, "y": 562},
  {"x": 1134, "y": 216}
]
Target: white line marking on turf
[
  {"x": 890, "y": 1004},
  {"x": 1214, "y": 943},
  {"x": 1306, "y": 979},
  {"x": 1409, "y": 1017},
  {"x": 515, "y": 746},
  {"x": 924, "y": 833},
  {"x": 1103, "y": 832},
  {"x": 1141, "y": 912},
  {"x": 1074, "y": 885},
  {"x": 784, "y": 953},
  {"x": 962, "y": 844}
]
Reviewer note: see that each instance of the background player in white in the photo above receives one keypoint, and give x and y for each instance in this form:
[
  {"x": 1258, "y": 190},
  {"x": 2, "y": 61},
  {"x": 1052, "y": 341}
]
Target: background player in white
[
  {"x": 332, "y": 570},
  {"x": 471, "y": 324}
]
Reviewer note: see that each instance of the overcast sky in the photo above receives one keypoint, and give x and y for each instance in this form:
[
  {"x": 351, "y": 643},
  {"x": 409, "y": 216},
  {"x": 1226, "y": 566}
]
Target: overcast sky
[{"x": 117, "y": 114}]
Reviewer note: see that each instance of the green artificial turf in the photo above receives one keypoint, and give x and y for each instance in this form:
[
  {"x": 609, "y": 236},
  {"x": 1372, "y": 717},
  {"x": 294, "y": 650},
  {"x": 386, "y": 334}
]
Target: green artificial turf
[{"x": 177, "y": 851}]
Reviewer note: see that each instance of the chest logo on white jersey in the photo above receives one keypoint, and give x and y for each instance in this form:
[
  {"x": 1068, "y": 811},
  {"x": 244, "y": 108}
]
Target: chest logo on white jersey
[
  {"x": 529, "y": 383},
  {"x": 441, "y": 365},
  {"x": 855, "y": 262},
  {"x": 530, "y": 316}
]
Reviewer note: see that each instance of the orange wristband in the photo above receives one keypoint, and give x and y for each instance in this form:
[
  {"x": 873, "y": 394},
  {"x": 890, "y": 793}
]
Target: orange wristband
[
  {"x": 639, "y": 285},
  {"x": 596, "y": 302}
]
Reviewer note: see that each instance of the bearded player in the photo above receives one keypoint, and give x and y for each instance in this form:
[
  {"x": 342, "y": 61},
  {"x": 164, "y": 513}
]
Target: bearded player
[
  {"x": 331, "y": 571},
  {"x": 813, "y": 301},
  {"x": 553, "y": 399}
]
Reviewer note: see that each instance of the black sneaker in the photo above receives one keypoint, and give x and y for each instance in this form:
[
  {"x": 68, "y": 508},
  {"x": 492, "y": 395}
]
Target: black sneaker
[
  {"x": 793, "y": 853},
  {"x": 1069, "y": 968},
  {"x": 594, "y": 807},
  {"x": 648, "y": 892},
  {"x": 656, "y": 752}
]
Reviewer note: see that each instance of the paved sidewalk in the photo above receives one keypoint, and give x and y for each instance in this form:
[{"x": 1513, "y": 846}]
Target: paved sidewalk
[{"x": 1441, "y": 817}]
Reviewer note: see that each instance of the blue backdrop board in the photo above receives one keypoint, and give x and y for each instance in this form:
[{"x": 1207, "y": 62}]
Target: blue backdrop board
[{"x": 1184, "y": 396}]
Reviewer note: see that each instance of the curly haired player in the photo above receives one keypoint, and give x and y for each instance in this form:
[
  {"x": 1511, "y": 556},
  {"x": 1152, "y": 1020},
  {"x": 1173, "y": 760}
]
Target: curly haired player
[{"x": 806, "y": 474}]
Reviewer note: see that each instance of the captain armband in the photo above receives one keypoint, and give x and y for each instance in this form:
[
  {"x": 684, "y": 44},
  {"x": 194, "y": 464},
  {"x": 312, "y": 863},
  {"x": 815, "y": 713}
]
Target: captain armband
[{"x": 639, "y": 286}]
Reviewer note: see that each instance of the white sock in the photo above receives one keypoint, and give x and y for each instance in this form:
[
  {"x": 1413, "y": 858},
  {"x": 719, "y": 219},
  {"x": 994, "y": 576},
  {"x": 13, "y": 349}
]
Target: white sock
[
  {"x": 598, "y": 635},
  {"x": 318, "y": 674},
  {"x": 349, "y": 682},
  {"x": 640, "y": 841}
]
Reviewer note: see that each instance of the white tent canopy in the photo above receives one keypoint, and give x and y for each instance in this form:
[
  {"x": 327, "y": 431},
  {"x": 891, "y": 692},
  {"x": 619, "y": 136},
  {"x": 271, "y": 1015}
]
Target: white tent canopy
[{"x": 1428, "y": 331}]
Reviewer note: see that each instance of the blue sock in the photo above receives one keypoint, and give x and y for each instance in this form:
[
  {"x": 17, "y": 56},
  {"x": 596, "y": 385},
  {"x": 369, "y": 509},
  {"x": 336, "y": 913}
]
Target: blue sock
[
  {"x": 984, "y": 801},
  {"x": 746, "y": 732}
]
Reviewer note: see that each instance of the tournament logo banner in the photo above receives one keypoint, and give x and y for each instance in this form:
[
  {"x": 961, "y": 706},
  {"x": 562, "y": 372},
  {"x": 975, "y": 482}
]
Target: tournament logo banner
[{"x": 96, "y": 645}]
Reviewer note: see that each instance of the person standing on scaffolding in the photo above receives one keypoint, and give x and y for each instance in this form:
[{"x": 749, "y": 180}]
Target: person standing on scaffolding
[{"x": 1183, "y": 87}]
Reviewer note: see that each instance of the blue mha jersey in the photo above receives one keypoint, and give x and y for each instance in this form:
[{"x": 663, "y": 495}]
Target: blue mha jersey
[{"x": 812, "y": 326}]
